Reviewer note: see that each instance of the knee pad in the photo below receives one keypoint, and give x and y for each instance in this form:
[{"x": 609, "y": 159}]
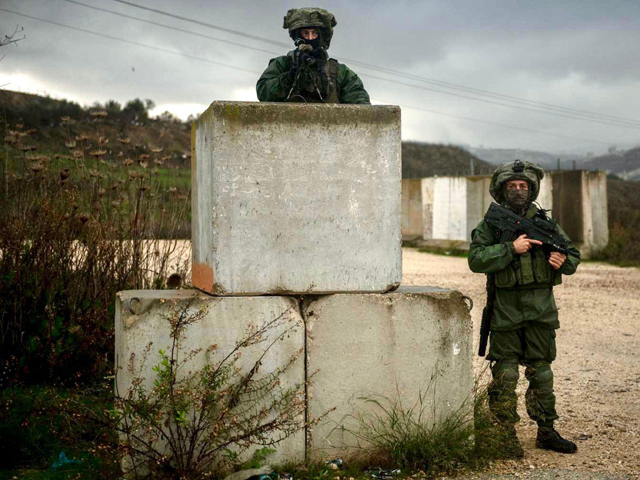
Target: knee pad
[
  {"x": 506, "y": 373},
  {"x": 540, "y": 376}
]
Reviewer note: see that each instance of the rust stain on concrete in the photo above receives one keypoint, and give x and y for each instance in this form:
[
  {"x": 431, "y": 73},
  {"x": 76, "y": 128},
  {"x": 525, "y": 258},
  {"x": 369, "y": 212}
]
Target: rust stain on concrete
[{"x": 202, "y": 276}]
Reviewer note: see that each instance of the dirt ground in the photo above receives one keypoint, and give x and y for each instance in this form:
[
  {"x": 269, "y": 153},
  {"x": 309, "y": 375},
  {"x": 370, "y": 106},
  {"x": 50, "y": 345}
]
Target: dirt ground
[{"x": 597, "y": 371}]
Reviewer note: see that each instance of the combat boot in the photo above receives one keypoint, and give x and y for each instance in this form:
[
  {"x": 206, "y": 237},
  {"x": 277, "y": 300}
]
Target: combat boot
[
  {"x": 512, "y": 446},
  {"x": 506, "y": 443},
  {"x": 549, "y": 439}
]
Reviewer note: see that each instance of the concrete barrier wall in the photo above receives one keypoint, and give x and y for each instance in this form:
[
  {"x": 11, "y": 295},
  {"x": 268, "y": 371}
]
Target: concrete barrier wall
[
  {"x": 296, "y": 198},
  {"x": 580, "y": 206},
  {"x": 597, "y": 234},
  {"x": 412, "y": 208},
  {"x": 395, "y": 345},
  {"x": 453, "y": 206}
]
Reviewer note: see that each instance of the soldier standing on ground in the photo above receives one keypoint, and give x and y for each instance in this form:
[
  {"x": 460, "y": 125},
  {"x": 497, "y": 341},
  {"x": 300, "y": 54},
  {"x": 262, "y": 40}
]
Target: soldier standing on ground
[
  {"x": 307, "y": 74},
  {"x": 525, "y": 317}
]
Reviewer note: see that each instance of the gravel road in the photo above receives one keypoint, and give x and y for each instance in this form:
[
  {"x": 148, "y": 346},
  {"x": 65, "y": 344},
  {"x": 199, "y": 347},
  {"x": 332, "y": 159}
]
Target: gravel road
[{"x": 597, "y": 371}]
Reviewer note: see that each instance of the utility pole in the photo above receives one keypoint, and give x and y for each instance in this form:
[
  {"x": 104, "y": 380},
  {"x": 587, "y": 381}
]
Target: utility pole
[
  {"x": 558, "y": 165},
  {"x": 471, "y": 165}
]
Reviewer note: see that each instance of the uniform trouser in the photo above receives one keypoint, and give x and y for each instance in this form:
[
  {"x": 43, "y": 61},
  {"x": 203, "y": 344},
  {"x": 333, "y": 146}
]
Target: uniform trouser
[{"x": 533, "y": 346}]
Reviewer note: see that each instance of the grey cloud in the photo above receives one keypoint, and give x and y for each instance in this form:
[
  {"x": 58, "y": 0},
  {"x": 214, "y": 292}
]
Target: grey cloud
[{"x": 574, "y": 53}]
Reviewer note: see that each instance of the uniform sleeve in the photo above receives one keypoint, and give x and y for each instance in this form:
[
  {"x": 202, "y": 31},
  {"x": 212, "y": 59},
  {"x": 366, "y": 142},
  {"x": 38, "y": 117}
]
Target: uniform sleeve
[
  {"x": 573, "y": 259},
  {"x": 351, "y": 87},
  {"x": 486, "y": 256},
  {"x": 275, "y": 82}
]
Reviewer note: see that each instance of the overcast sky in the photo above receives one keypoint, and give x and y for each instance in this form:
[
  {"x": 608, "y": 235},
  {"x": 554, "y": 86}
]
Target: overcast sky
[{"x": 581, "y": 55}]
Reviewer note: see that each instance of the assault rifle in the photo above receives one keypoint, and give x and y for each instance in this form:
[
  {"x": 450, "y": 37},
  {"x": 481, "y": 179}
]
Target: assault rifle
[
  {"x": 510, "y": 224},
  {"x": 539, "y": 227}
]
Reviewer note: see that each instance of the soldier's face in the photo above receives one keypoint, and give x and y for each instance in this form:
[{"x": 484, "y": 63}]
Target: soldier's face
[
  {"x": 517, "y": 185},
  {"x": 309, "y": 33}
]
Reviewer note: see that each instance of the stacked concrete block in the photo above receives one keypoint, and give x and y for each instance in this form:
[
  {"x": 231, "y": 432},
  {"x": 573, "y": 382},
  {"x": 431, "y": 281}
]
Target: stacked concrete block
[
  {"x": 297, "y": 210},
  {"x": 392, "y": 347},
  {"x": 296, "y": 198},
  {"x": 142, "y": 329}
]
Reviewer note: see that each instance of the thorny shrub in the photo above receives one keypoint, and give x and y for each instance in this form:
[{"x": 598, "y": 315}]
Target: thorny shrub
[
  {"x": 77, "y": 227},
  {"x": 192, "y": 421}
]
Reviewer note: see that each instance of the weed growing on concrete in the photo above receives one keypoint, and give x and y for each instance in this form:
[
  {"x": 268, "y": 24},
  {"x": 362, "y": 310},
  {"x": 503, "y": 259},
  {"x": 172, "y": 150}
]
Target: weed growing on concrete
[
  {"x": 392, "y": 435},
  {"x": 194, "y": 422}
]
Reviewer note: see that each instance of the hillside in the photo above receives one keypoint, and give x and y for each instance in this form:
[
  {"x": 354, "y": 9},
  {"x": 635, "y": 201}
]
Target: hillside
[
  {"x": 425, "y": 160},
  {"x": 625, "y": 165},
  {"x": 45, "y": 116},
  {"x": 548, "y": 161}
]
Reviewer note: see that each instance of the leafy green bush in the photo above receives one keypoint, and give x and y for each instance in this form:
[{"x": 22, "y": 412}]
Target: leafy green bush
[{"x": 195, "y": 421}]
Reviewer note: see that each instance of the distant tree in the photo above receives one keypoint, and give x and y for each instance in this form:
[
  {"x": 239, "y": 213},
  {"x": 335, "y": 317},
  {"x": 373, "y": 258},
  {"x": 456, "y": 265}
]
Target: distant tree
[
  {"x": 136, "y": 111},
  {"x": 149, "y": 104},
  {"x": 167, "y": 116},
  {"x": 112, "y": 107}
]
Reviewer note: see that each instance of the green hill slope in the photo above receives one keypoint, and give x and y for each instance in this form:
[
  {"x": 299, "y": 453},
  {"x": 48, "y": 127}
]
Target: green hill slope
[{"x": 425, "y": 160}]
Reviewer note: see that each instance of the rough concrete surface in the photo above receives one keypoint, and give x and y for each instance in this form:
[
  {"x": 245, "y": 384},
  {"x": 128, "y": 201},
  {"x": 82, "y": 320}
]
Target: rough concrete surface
[
  {"x": 142, "y": 319},
  {"x": 296, "y": 198},
  {"x": 413, "y": 341},
  {"x": 597, "y": 371},
  {"x": 411, "y": 208}
]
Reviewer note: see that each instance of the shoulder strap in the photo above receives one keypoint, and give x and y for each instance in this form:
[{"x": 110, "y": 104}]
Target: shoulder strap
[{"x": 333, "y": 94}]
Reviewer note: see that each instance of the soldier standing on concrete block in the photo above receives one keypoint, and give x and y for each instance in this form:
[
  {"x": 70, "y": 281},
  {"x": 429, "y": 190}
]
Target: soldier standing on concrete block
[
  {"x": 521, "y": 275},
  {"x": 307, "y": 74}
]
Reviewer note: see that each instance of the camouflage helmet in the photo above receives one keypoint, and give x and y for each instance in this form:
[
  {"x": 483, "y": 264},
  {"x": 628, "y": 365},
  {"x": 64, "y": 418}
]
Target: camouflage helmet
[
  {"x": 517, "y": 170},
  {"x": 298, "y": 18}
]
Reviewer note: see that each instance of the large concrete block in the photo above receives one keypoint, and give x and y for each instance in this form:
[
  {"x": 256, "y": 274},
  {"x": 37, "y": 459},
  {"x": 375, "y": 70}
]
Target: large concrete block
[
  {"x": 412, "y": 208},
  {"x": 580, "y": 207},
  {"x": 404, "y": 343},
  {"x": 141, "y": 323},
  {"x": 296, "y": 198}
]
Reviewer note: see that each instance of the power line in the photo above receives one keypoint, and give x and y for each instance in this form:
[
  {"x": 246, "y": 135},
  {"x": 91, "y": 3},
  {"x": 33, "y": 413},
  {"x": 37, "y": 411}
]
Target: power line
[
  {"x": 488, "y": 122},
  {"x": 170, "y": 27},
  {"x": 546, "y": 108},
  {"x": 493, "y": 102},
  {"x": 151, "y": 47},
  {"x": 204, "y": 24},
  {"x": 255, "y": 72}
]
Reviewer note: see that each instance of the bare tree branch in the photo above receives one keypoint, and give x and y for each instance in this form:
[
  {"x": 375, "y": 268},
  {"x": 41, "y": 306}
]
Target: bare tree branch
[{"x": 9, "y": 39}]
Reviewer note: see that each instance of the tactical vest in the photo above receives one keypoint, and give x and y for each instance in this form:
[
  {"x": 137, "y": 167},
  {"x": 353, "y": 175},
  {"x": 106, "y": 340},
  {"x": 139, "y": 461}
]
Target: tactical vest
[{"x": 305, "y": 89}]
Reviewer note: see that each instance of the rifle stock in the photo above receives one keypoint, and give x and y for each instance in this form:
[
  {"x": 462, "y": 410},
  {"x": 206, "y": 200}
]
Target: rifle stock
[{"x": 485, "y": 325}]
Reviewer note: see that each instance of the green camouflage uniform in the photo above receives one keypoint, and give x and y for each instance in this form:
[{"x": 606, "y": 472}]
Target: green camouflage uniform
[
  {"x": 525, "y": 316},
  {"x": 335, "y": 82}
]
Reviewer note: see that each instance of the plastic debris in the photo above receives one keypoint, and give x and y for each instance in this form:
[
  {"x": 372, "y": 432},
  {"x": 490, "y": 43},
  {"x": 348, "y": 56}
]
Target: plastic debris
[
  {"x": 63, "y": 460},
  {"x": 335, "y": 464},
  {"x": 381, "y": 474}
]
